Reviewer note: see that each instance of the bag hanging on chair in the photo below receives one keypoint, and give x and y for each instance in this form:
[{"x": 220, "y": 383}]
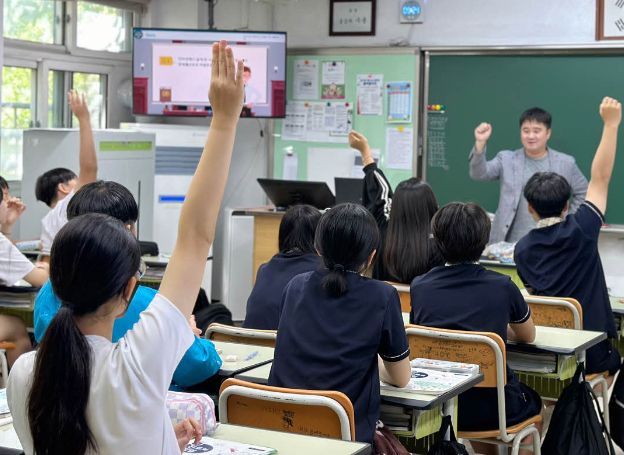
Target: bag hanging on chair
[
  {"x": 576, "y": 428},
  {"x": 447, "y": 443},
  {"x": 386, "y": 443}
]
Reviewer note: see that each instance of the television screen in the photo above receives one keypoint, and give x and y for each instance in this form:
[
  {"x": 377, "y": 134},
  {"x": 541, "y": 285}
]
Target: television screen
[{"x": 171, "y": 71}]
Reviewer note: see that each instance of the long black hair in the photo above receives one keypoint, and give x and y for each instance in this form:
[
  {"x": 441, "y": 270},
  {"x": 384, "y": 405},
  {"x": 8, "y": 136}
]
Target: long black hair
[
  {"x": 107, "y": 197},
  {"x": 93, "y": 258},
  {"x": 408, "y": 248},
  {"x": 297, "y": 229},
  {"x": 345, "y": 238}
]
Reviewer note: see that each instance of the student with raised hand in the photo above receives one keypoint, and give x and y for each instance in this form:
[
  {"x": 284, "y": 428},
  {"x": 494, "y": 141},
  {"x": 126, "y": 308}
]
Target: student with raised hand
[
  {"x": 201, "y": 360},
  {"x": 335, "y": 323},
  {"x": 560, "y": 257},
  {"x": 462, "y": 295},
  {"x": 296, "y": 255},
  {"x": 81, "y": 393},
  {"x": 406, "y": 249},
  {"x": 57, "y": 186}
]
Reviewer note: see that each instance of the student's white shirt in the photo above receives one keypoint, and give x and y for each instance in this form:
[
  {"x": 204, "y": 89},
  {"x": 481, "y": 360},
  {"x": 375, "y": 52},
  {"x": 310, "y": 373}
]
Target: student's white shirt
[
  {"x": 52, "y": 223},
  {"x": 13, "y": 264},
  {"x": 129, "y": 382}
]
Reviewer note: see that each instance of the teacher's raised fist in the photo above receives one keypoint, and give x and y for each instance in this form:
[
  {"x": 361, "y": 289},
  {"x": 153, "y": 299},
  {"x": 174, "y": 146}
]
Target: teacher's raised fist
[{"x": 483, "y": 132}]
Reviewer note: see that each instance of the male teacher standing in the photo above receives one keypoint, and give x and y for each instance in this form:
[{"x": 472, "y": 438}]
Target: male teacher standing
[{"x": 514, "y": 168}]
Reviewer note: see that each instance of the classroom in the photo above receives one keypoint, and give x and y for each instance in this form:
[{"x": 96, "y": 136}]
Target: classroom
[{"x": 311, "y": 226}]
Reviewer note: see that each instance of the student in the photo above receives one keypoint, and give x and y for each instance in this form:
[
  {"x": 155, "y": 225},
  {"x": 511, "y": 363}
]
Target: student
[
  {"x": 296, "y": 255},
  {"x": 335, "y": 323},
  {"x": 406, "y": 249},
  {"x": 11, "y": 210},
  {"x": 201, "y": 360},
  {"x": 56, "y": 187},
  {"x": 81, "y": 393},
  {"x": 514, "y": 168},
  {"x": 462, "y": 295},
  {"x": 560, "y": 257}
]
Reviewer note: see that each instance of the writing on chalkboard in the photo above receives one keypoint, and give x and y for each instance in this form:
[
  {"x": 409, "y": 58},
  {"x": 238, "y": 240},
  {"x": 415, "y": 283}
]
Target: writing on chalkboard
[{"x": 436, "y": 141}]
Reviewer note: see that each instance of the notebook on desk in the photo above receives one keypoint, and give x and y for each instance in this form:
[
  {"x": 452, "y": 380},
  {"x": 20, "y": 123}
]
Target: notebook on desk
[
  {"x": 285, "y": 193},
  {"x": 221, "y": 447},
  {"x": 431, "y": 382}
]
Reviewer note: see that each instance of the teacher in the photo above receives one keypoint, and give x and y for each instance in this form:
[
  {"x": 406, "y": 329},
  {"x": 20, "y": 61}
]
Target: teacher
[{"x": 514, "y": 168}]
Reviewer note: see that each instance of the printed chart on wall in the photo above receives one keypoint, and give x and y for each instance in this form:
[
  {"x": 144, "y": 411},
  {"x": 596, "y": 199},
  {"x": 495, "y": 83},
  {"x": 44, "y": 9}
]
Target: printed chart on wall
[{"x": 329, "y": 96}]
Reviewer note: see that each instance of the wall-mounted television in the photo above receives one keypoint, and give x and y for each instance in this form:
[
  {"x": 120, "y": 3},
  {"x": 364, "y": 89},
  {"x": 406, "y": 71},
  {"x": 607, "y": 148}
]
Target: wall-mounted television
[{"x": 171, "y": 71}]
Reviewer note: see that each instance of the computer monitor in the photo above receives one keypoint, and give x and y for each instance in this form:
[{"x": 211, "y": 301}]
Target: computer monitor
[
  {"x": 348, "y": 190},
  {"x": 285, "y": 193}
]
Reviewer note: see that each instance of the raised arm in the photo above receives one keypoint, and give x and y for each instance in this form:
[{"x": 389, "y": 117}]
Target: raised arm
[
  {"x": 198, "y": 218},
  {"x": 480, "y": 168},
  {"x": 87, "y": 157},
  {"x": 602, "y": 166}
]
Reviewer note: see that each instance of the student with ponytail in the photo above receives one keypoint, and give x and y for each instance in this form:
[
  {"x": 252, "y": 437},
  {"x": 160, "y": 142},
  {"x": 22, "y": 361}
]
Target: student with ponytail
[
  {"x": 82, "y": 394},
  {"x": 335, "y": 323}
]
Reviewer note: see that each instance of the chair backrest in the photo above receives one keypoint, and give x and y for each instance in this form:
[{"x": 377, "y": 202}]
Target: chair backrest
[
  {"x": 485, "y": 349},
  {"x": 312, "y": 412},
  {"x": 404, "y": 295},
  {"x": 231, "y": 334},
  {"x": 564, "y": 312}
]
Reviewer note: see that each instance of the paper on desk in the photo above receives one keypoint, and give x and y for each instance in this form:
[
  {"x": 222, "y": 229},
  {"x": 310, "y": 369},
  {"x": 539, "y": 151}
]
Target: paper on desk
[
  {"x": 222, "y": 447},
  {"x": 431, "y": 382}
]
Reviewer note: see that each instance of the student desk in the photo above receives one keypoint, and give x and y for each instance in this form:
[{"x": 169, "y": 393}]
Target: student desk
[
  {"x": 560, "y": 341},
  {"x": 9, "y": 439},
  {"x": 617, "y": 305},
  {"x": 289, "y": 443},
  {"x": 247, "y": 357},
  {"x": 419, "y": 401},
  {"x": 505, "y": 268}
]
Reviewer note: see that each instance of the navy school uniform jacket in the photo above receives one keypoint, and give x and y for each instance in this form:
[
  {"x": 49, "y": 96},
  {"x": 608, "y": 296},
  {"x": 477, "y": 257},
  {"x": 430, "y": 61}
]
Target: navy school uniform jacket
[
  {"x": 469, "y": 297},
  {"x": 562, "y": 260},
  {"x": 264, "y": 301},
  {"x": 329, "y": 343},
  {"x": 377, "y": 198}
]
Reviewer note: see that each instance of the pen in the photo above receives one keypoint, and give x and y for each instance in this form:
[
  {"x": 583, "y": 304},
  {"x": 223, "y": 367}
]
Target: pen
[{"x": 251, "y": 356}]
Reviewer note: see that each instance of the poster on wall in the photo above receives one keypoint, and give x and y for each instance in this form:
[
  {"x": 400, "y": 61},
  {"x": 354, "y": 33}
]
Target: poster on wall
[
  {"x": 399, "y": 147},
  {"x": 320, "y": 121},
  {"x": 369, "y": 94},
  {"x": 333, "y": 80},
  {"x": 399, "y": 96},
  {"x": 306, "y": 80}
]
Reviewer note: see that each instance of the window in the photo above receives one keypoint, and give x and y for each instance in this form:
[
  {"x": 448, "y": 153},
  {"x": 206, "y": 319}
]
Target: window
[
  {"x": 34, "y": 20},
  {"x": 56, "y": 99},
  {"x": 94, "y": 87},
  {"x": 103, "y": 28},
  {"x": 18, "y": 90}
]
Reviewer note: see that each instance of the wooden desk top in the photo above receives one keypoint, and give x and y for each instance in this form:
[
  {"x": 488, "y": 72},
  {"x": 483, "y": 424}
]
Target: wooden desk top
[
  {"x": 247, "y": 356},
  {"x": 288, "y": 443},
  {"x": 414, "y": 400},
  {"x": 559, "y": 341}
]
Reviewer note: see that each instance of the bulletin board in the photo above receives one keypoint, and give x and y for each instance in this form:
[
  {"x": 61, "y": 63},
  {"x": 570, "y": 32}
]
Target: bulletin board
[{"x": 330, "y": 92}]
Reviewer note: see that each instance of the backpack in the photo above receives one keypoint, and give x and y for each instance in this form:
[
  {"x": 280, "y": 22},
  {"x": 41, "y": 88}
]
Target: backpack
[
  {"x": 447, "y": 443},
  {"x": 386, "y": 443},
  {"x": 215, "y": 312},
  {"x": 616, "y": 410},
  {"x": 576, "y": 428}
]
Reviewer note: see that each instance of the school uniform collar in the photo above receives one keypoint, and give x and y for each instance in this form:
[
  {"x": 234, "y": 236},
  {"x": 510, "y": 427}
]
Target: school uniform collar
[{"x": 546, "y": 222}]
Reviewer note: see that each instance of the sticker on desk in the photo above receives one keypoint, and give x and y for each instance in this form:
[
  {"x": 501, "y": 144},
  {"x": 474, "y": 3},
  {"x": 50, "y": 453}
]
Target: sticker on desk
[{"x": 222, "y": 447}]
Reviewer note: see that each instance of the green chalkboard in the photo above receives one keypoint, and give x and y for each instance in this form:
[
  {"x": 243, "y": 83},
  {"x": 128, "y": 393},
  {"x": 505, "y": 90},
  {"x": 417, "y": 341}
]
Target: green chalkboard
[
  {"x": 394, "y": 65},
  {"x": 496, "y": 89}
]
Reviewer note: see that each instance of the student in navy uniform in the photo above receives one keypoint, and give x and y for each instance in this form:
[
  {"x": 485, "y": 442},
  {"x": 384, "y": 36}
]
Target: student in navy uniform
[
  {"x": 406, "y": 250},
  {"x": 335, "y": 322},
  {"x": 560, "y": 257},
  {"x": 462, "y": 295},
  {"x": 296, "y": 255}
]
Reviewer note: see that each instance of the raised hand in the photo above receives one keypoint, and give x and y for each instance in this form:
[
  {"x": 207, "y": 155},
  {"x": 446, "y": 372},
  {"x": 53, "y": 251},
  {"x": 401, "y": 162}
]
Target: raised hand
[
  {"x": 78, "y": 105},
  {"x": 482, "y": 134},
  {"x": 226, "y": 85},
  {"x": 611, "y": 111},
  {"x": 359, "y": 142}
]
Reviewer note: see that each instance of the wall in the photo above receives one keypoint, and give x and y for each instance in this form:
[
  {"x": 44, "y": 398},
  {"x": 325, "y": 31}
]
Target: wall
[{"x": 450, "y": 23}]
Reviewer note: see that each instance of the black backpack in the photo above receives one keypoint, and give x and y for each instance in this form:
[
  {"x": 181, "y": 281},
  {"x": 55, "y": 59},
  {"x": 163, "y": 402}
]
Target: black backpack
[
  {"x": 616, "y": 410},
  {"x": 575, "y": 427},
  {"x": 446, "y": 443}
]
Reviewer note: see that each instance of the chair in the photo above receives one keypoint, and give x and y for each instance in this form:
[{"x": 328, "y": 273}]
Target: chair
[
  {"x": 567, "y": 313},
  {"x": 404, "y": 295},
  {"x": 322, "y": 413},
  {"x": 563, "y": 312},
  {"x": 488, "y": 351},
  {"x": 231, "y": 334}
]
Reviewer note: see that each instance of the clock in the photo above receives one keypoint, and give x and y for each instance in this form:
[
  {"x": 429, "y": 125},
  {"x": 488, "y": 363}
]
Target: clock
[
  {"x": 609, "y": 19},
  {"x": 411, "y": 12}
]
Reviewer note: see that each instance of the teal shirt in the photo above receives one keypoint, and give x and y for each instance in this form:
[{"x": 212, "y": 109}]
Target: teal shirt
[{"x": 200, "y": 361}]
